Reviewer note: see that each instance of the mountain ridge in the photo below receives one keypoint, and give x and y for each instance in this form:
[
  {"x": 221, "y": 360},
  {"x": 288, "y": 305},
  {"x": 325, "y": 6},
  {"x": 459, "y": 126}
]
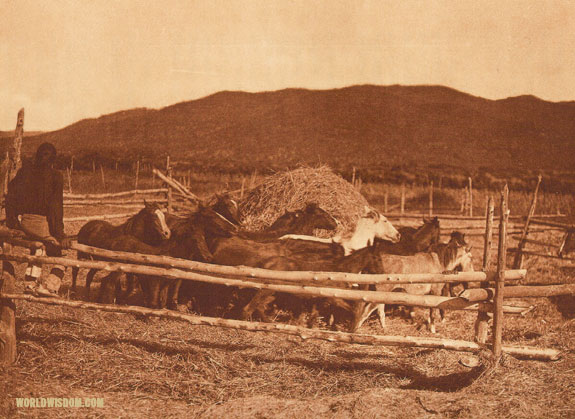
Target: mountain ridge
[{"x": 361, "y": 125}]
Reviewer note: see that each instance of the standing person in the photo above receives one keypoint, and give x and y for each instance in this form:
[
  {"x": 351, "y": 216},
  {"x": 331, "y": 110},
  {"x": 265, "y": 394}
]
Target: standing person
[{"x": 34, "y": 204}]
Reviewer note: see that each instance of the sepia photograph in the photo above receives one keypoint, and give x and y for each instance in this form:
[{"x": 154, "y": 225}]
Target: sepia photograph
[{"x": 287, "y": 209}]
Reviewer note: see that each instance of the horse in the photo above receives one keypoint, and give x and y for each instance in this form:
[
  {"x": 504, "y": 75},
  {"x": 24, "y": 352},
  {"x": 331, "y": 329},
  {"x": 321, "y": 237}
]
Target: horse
[
  {"x": 365, "y": 260},
  {"x": 149, "y": 225},
  {"x": 186, "y": 242},
  {"x": 241, "y": 248},
  {"x": 413, "y": 240},
  {"x": 226, "y": 206},
  {"x": 440, "y": 258},
  {"x": 370, "y": 225},
  {"x": 303, "y": 221}
]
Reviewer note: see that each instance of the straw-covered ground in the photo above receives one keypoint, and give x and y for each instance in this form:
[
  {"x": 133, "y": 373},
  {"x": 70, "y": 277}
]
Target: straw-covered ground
[{"x": 145, "y": 367}]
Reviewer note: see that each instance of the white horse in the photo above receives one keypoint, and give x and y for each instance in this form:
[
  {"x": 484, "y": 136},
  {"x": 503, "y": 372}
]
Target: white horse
[
  {"x": 371, "y": 225},
  {"x": 442, "y": 257}
]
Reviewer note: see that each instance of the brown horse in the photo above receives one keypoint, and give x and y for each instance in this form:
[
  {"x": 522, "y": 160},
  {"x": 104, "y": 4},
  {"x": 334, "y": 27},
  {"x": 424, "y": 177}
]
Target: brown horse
[
  {"x": 366, "y": 260},
  {"x": 413, "y": 240},
  {"x": 235, "y": 248},
  {"x": 303, "y": 221},
  {"x": 148, "y": 225},
  {"x": 186, "y": 242}
]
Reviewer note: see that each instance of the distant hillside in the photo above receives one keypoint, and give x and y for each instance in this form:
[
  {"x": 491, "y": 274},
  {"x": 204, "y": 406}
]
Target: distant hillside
[{"x": 363, "y": 126}]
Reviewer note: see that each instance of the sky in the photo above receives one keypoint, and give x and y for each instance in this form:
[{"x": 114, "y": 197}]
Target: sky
[{"x": 65, "y": 60}]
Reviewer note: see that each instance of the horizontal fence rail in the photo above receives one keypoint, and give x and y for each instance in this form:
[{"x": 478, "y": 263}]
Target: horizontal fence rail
[
  {"x": 115, "y": 194},
  {"x": 244, "y": 271},
  {"x": 304, "y": 333},
  {"x": 377, "y": 297}
]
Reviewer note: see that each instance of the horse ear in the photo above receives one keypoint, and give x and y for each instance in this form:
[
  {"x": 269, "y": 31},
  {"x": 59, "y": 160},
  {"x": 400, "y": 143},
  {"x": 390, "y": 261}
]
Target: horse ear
[{"x": 146, "y": 204}]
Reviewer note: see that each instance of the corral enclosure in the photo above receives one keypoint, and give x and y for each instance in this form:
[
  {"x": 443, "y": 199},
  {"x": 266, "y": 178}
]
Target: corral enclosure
[{"x": 220, "y": 372}]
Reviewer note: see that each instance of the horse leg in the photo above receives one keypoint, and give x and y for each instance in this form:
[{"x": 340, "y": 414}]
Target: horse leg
[
  {"x": 154, "y": 291},
  {"x": 108, "y": 288},
  {"x": 89, "y": 279},
  {"x": 75, "y": 271},
  {"x": 173, "y": 293}
]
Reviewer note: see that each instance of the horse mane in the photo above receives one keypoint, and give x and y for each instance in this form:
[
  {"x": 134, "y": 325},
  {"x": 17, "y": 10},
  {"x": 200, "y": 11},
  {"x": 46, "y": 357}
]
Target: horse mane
[
  {"x": 129, "y": 224},
  {"x": 446, "y": 252}
]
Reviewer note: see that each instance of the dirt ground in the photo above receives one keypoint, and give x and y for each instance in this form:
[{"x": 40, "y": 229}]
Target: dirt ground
[{"x": 145, "y": 367}]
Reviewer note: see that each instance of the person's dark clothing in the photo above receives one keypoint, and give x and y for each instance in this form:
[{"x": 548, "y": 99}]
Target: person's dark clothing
[{"x": 37, "y": 190}]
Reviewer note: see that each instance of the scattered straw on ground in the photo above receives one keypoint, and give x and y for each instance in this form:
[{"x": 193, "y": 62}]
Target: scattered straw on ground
[{"x": 292, "y": 190}]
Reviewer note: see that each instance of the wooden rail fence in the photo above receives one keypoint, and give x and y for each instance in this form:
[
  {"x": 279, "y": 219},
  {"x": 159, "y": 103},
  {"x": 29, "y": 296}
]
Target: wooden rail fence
[{"x": 318, "y": 284}]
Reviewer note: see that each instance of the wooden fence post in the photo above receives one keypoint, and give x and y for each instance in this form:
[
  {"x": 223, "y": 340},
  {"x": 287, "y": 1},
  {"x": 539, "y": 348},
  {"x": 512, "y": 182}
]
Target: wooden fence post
[
  {"x": 518, "y": 260},
  {"x": 481, "y": 324},
  {"x": 470, "y": 197},
  {"x": 8, "y": 350},
  {"x": 137, "y": 174},
  {"x": 385, "y": 200},
  {"x": 103, "y": 177},
  {"x": 402, "y": 204},
  {"x": 169, "y": 193},
  {"x": 69, "y": 173},
  {"x": 500, "y": 280},
  {"x": 12, "y": 161},
  {"x": 431, "y": 199}
]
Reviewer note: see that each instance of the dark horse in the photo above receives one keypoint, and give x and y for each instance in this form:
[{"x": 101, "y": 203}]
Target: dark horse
[
  {"x": 186, "y": 242},
  {"x": 148, "y": 225},
  {"x": 303, "y": 221},
  {"x": 365, "y": 260},
  {"x": 241, "y": 248},
  {"x": 413, "y": 240}
]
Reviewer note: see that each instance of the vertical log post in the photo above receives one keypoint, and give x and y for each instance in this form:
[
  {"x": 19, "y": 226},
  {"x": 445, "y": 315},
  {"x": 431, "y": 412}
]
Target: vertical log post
[
  {"x": 93, "y": 166},
  {"x": 12, "y": 162},
  {"x": 500, "y": 280},
  {"x": 431, "y": 199},
  {"x": 470, "y": 197},
  {"x": 103, "y": 177},
  {"x": 69, "y": 173},
  {"x": 8, "y": 350},
  {"x": 137, "y": 174},
  {"x": 402, "y": 204},
  {"x": 169, "y": 193},
  {"x": 482, "y": 322},
  {"x": 518, "y": 261},
  {"x": 385, "y": 200}
]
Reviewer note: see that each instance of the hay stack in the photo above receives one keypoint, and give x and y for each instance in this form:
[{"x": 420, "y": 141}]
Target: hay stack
[{"x": 293, "y": 190}]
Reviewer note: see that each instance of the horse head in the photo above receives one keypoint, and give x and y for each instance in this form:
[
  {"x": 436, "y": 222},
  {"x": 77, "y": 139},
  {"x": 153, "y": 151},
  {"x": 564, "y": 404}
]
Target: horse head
[
  {"x": 378, "y": 225},
  {"x": 227, "y": 207},
  {"x": 154, "y": 218},
  {"x": 458, "y": 255}
]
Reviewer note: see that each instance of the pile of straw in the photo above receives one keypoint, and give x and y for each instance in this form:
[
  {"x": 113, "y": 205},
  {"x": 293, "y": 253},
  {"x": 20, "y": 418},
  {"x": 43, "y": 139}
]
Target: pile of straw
[{"x": 293, "y": 190}]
